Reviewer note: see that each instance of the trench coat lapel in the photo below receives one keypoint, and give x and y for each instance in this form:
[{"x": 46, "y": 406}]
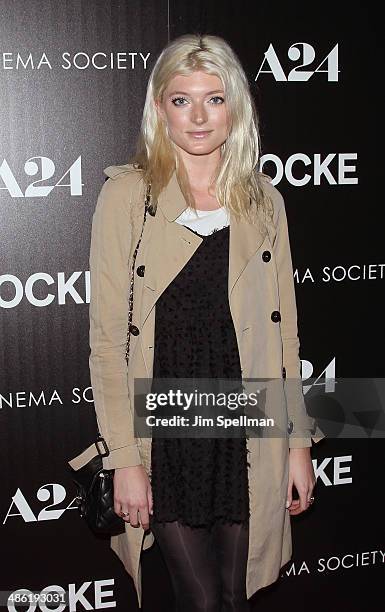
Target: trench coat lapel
[{"x": 171, "y": 245}]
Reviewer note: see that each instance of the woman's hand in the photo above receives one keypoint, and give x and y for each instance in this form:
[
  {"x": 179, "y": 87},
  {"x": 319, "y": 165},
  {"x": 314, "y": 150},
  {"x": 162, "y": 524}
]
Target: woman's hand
[
  {"x": 301, "y": 474},
  {"x": 133, "y": 495}
]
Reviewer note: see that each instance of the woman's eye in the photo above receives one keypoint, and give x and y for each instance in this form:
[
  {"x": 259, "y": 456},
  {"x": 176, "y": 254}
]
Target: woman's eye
[
  {"x": 217, "y": 99},
  {"x": 178, "y": 101}
]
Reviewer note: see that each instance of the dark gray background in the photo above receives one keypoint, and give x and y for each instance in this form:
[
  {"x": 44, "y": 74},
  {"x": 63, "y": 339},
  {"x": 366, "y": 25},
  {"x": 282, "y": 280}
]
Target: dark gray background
[{"x": 95, "y": 114}]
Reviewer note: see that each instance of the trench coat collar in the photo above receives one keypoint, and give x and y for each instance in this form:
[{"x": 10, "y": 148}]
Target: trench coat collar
[
  {"x": 171, "y": 199},
  {"x": 246, "y": 237},
  {"x": 164, "y": 264},
  {"x": 172, "y": 202}
]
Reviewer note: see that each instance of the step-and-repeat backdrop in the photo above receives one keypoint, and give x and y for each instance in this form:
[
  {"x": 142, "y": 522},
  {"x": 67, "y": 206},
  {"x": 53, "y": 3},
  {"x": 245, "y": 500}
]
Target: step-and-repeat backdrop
[{"x": 73, "y": 76}]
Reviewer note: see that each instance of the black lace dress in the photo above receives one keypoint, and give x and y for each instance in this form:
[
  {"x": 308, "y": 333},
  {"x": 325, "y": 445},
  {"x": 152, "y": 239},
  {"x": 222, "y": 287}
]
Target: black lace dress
[{"x": 199, "y": 480}]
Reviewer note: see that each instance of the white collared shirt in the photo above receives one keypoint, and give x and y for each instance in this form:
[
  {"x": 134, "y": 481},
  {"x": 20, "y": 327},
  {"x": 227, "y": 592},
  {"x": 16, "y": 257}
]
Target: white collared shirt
[{"x": 204, "y": 221}]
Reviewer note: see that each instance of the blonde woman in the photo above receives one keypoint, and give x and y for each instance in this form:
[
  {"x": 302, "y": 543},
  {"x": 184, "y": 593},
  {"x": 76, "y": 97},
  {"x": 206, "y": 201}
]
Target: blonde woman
[{"x": 214, "y": 298}]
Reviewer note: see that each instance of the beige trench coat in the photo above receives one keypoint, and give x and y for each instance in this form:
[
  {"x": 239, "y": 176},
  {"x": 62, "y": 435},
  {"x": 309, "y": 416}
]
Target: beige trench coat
[{"x": 257, "y": 287}]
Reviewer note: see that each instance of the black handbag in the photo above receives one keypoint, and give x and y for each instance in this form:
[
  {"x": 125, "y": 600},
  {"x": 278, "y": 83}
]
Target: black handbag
[{"x": 95, "y": 485}]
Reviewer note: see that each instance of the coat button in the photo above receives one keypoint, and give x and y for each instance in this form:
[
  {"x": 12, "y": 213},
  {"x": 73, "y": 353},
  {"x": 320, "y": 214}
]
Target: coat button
[
  {"x": 275, "y": 316},
  {"x": 283, "y": 372},
  {"x": 266, "y": 256},
  {"x": 151, "y": 211},
  {"x": 140, "y": 270},
  {"x": 290, "y": 427},
  {"x": 134, "y": 330}
]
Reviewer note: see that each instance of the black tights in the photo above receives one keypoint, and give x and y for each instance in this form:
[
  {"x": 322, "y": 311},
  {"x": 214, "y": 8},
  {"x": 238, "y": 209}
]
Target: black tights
[{"x": 207, "y": 565}]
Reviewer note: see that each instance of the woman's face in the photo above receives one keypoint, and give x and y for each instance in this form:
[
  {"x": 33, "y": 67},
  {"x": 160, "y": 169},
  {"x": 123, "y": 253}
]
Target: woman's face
[{"x": 195, "y": 112}]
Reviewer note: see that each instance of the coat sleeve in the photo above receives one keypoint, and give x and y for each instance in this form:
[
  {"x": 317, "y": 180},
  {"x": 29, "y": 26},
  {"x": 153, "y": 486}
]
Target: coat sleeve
[
  {"x": 108, "y": 316},
  {"x": 302, "y": 429}
]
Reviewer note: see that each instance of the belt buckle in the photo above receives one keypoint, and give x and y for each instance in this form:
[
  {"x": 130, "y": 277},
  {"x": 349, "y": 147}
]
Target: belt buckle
[{"x": 101, "y": 440}]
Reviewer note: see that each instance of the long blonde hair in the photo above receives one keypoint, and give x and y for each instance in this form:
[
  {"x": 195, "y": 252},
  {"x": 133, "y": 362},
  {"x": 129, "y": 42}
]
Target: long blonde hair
[{"x": 237, "y": 178}]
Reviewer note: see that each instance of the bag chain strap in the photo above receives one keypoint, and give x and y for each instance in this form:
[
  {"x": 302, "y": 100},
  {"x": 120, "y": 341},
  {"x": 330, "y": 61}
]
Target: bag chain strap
[
  {"x": 100, "y": 439},
  {"x": 131, "y": 295}
]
